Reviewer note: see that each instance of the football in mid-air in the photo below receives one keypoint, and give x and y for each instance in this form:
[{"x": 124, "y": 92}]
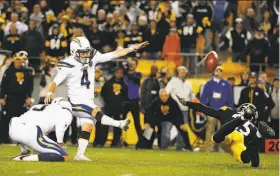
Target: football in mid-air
[{"x": 211, "y": 61}]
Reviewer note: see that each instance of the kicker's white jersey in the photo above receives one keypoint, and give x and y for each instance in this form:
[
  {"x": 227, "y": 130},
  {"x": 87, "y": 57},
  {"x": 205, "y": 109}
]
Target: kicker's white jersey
[
  {"x": 49, "y": 118},
  {"x": 80, "y": 77}
]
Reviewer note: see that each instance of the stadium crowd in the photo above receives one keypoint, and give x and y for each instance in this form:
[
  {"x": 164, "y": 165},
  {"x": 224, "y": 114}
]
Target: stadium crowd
[{"x": 249, "y": 30}]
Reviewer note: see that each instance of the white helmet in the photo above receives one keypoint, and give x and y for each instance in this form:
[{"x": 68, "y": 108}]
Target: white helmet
[
  {"x": 63, "y": 103},
  {"x": 81, "y": 45}
]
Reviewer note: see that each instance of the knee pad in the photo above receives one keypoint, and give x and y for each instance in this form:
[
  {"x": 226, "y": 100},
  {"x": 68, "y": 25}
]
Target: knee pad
[
  {"x": 99, "y": 115},
  {"x": 85, "y": 135}
]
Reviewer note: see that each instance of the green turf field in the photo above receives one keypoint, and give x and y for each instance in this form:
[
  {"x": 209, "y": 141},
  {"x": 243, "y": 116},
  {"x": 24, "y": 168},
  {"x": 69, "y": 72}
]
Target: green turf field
[{"x": 129, "y": 162}]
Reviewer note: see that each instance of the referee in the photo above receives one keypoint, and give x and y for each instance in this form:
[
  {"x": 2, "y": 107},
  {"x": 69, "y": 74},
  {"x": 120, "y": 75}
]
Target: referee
[{"x": 16, "y": 91}]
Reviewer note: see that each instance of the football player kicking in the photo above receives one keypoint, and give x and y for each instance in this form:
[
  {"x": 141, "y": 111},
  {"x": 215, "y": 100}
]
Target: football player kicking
[
  {"x": 239, "y": 132},
  {"x": 29, "y": 130},
  {"x": 78, "y": 70}
]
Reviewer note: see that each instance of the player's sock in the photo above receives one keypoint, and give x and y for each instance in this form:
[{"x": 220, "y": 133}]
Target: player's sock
[
  {"x": 226, "y": 129},
  {"x": 83, "y": 142},
  {"x": 105, "y": 120},
  {"x": 53, "y": 157},
  {"x": 23, "y": 148}
]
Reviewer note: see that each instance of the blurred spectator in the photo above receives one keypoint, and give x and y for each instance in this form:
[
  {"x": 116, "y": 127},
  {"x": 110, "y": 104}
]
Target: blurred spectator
[
  {"x": 155, "y": 38},
  {"x": 100, "y": 137},
  {"x": 266, "y": 24},
  {"x": 232, "y": 6},
  {"x": 2, "y": 27},
  {"x": 274, "y": 49},
  {"x": 98, "y": 84},
  {"x": 164, "y": 78},
  {"x": 165, "y": 109},
  {"x": 133, "y": 11},
  {"x": 181, "y": 8},
  {"x": 66, "y": 27},
  {"x": 114, "y": 93},
  {"x": 274, "y": 116},
  {"x": 46, "y": 79},
  {"x": 101, "y": 17},
  {"x": 149, "y": 90},
  {"x": 45, "y": 7},
  {"x": 56, "y": 44},
  {"x": 95, "y": 37},
  {"x": 269, "y": 104},
  {"x": 15, "y": 94},
  {"x": 24, "y": 18},
  {"x": 217, "y": 93},
  {"x": 120, "y": 39},
  {"x": 133, "y": 37},
  {"x": 203, "y": 9},
  {"x": 25, "y": 64},
  {"x": 37, "y": 17},
  {"x": 165, "y": 16},
  {"x": 188, "y": 40},
  {"x": 179, "y": 86},
  {"x": 118, "y": 21},
  {"x": 21, "y": 27},
  {"x": 12, "y": 40},
  {"x": 257, "y": 50},
  {"x": 231, "y": 81},
  {"x": 143, "y": 23},
  {"x": 244, "y": 79},
  {"x": 5, "y": 65},
  {"x": 172, "y": 44},
  {"x": 253, "y": 94},
  {"x": 238, "y": 40},
  {"x": 249, "y": 21},
  {"x": 84, "y": 18},
  {"x": 132, "y": 79},
  {"x": 263, "y": 77},
  {"x": 109, "y": 23},
  {"x": 32, "y": 42},
  {"x": 205, "y": 30},
  {"x": 152, "y": 10},
  {"x": 221, "y": 11}
]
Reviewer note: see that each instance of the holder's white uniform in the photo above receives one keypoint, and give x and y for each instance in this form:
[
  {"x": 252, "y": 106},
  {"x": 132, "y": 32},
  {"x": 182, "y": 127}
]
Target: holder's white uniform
[
  {"x": 29, "y": 128},
  {"x": 80, "y": 94}
]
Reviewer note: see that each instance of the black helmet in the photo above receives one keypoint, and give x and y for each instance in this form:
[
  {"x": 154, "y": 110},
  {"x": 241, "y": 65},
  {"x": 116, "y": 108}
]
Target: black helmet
[{"x": 249, "y": 111}]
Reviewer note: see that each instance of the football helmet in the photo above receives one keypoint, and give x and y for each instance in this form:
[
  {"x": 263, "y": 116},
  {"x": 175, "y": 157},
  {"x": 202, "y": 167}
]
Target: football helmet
[
  {"x": 81, "y": 50},
  {"x": 249, "y": 111}
]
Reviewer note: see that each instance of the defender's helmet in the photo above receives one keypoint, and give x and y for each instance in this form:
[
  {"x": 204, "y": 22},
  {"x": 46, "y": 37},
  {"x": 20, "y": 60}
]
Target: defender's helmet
[
  {"x": 81, "y": 49},
  {"x": 249, "y": 111}
]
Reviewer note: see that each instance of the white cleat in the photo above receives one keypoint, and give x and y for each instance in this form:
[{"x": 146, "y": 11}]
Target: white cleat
[
  {"x": 81, "y": 158},
  {"x": 125, "y": 124},
  {"x": 19, "y": 158}
]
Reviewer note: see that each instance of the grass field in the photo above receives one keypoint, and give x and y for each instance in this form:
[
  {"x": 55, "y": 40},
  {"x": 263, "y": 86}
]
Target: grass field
[{"x": 130, "y": 162}]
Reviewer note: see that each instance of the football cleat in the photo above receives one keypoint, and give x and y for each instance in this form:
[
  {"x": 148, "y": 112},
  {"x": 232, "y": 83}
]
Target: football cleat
[
  {"x": 265, "y": 130},
  {"x": 81, "y": 158},
  {"x": 20, "y": 157},
  {"x": 125, "y": 124}
]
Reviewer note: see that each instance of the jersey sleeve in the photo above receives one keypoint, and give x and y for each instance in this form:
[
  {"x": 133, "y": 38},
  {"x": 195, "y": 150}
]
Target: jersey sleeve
[
  {"x": 63, "y": 73},
  {"x": 101, "y": 58},
  {"x": 62, "y": 124}
]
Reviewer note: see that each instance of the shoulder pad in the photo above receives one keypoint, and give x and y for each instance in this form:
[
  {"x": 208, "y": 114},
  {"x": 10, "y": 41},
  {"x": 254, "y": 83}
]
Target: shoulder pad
[{"x": 65, "y": 64}]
